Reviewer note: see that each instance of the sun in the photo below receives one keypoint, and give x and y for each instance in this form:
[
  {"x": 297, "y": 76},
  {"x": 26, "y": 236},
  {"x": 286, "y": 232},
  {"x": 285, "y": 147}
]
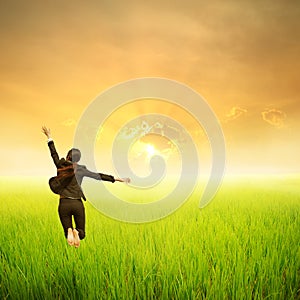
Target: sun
[
  {"x": 149, "y": 146},
  {"x": 144, "y": 150},
  {"x": 150, "y": 149}
]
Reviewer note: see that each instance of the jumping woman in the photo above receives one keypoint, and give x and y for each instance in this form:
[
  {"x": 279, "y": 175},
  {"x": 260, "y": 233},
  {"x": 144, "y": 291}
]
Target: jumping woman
[{"x": 70, "y": 198}]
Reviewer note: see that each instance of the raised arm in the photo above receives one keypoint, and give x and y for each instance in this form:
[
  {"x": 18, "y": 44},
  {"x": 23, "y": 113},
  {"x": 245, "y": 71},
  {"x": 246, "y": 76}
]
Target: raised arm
[
  {"x": 47, "y": 132},
  {"x": 51, "y": 146}
]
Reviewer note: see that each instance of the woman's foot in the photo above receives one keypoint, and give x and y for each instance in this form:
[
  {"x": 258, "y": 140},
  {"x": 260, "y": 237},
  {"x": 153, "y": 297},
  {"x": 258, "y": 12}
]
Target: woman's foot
[
  {"x": 70, "y": 237},
  {"x": 76, "y": 238}
]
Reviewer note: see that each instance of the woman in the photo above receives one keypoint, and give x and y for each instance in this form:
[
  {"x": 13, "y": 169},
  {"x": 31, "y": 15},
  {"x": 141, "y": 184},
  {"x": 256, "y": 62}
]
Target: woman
[{"x": 71, "y": 195}]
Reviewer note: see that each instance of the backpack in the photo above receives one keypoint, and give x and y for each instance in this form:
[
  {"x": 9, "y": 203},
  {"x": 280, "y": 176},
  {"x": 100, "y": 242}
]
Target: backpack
[{"x": 62, "y": 179}]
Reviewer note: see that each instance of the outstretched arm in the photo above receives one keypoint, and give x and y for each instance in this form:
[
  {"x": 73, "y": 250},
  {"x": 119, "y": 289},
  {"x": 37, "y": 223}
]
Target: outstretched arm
[{"x": 101, "y": 176}]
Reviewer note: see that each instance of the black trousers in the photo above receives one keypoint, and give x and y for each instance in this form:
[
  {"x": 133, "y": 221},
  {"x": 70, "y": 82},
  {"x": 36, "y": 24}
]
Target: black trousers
[{"x": 69, "y": 208}]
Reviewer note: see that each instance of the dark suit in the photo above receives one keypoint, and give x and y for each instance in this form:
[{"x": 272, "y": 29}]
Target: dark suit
[{"x": 70, "y": 203}]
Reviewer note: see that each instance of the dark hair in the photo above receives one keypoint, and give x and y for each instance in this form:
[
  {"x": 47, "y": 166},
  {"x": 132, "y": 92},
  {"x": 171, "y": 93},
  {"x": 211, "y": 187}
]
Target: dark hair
[{"x": 74, "y": 155}]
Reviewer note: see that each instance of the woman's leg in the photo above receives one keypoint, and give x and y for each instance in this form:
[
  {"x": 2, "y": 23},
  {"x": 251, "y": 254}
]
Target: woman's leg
[
  {"x": 79, "y": 218},
  {"x": 76, "y": 238},
  {"x": 70, "y": 237},
  {"x": 65, "y": 216}
]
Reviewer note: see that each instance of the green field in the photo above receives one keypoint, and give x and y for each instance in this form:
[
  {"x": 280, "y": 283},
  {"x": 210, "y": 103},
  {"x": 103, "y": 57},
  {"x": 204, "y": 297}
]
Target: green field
[{"x": 243, "y": 245}]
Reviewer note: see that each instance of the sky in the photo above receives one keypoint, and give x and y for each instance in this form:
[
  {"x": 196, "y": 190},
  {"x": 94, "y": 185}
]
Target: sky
[{"x": 241, "y": 56}]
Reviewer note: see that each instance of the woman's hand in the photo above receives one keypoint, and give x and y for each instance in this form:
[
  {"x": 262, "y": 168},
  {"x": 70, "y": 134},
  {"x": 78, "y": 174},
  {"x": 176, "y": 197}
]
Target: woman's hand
[
  {"x": 126, "y": 180},
  {"x": 46, "y": 131}
]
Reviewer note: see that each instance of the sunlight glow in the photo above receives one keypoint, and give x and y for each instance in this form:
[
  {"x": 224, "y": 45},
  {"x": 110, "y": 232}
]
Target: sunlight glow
[{"x": 150, "y": 150}]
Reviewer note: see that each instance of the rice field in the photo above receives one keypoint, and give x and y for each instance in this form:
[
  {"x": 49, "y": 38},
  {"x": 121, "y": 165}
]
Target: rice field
[{"x": 243, "y": 245}]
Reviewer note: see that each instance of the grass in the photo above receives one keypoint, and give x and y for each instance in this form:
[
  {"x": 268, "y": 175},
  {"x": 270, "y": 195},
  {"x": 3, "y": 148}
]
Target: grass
[{"x": 243, "y": 245}]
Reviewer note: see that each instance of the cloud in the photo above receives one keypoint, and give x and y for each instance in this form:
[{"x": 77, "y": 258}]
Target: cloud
[
  {"x": 274, "y": 117},
  {"x": 69, "y": 122},
  {"x": 235, "y": 113}
]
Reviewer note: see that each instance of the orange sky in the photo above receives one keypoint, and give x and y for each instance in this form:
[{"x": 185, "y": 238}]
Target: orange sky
[{"x": 241, "y": 56}]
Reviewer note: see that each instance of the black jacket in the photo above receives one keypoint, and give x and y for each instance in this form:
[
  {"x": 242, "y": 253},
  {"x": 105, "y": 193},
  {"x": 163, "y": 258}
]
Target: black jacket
[{"x": 73, "y": 189}]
